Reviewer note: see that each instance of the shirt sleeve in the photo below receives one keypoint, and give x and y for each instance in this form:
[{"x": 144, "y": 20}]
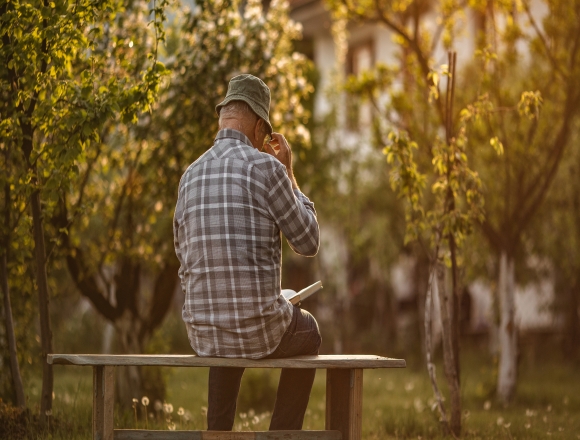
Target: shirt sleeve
[
  {"x": 178, "y": 213},
  {"x": 294, "y": 214}
]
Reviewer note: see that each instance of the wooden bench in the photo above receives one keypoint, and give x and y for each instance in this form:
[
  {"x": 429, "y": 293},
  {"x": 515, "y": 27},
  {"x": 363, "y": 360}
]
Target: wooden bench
[{"x": 343, "y": 393}]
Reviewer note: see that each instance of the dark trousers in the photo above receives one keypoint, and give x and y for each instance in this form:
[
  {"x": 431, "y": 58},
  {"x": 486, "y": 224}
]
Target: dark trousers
[{"x": 301, "y": 337}]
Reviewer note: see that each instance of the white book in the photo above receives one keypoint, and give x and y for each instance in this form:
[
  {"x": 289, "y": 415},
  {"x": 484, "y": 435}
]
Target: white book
[{"x": 295, "y": 297}]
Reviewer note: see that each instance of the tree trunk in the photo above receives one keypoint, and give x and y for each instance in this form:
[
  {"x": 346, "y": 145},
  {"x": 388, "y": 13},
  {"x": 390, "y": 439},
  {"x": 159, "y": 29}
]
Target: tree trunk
[
  {"x": 43, "y": 304},
  {"x": 129, "y": 379},
  {"x": 432, "y": 287},
  {"x": 572, "y": 322},
  {"x": 14, "y": 367},
  {"x": 449, "y": 361},
  {"x": 493, "y": 342},
  {"x": 424, "y": 277},
  {"x": 389, "y": 319},
  {"x": 455, "y": 306},
  {"x": 507, "y": 374}
]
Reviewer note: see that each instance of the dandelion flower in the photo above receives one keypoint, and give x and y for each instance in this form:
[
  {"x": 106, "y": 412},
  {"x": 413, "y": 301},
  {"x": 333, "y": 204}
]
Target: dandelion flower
[
  {"x": 171, "y": 426},
  {"x": 180, "y": 411},
  {"x": 135, "y": 402},
  {"x": 418, "y": 404},
  {"x": 499, "y": 421},
  {"x": 145, "y": 400},
  {"x": 167, "y": 408},
  {"x": 158, "y": 405}
]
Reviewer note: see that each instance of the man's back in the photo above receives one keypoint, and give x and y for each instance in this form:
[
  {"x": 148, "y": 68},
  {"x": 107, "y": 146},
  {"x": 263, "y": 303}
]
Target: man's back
[{"x": 233, "y": 202}]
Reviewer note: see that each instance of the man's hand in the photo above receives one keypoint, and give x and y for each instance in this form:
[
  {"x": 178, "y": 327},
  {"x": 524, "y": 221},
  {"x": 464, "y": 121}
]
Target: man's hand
[{"x": 280, "y": 149}]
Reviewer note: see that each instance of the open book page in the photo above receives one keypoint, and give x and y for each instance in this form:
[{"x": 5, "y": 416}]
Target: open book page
[{"x": 296, "y": 297}]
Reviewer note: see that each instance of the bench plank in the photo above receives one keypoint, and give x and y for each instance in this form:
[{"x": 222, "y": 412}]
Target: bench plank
[
  {"x": 322, "y": 361},
  {"x": 138, "y": 434}
]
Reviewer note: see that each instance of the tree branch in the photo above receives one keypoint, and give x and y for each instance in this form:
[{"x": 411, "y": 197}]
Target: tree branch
[
  {"x": 543, "y": 40},
  {"x": 573, "y": 101},
  {"x": 79, "y": 271},
  {"x": 162, "y": 295}
]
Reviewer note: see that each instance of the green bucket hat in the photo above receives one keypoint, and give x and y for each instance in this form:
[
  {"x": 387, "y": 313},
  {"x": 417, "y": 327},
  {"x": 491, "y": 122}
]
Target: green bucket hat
[{"x": 253, "y": 92}]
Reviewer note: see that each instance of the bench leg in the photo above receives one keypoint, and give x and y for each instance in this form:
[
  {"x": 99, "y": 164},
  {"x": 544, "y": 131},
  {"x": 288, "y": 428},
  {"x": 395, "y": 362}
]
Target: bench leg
[
  {"x": 344, "y": 402},
  {"x": 103, "y": 402}
]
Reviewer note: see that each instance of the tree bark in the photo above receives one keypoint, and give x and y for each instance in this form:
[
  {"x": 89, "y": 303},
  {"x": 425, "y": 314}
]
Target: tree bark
[
  {"x": 507, "y": 374},
  {"x": 43, "y": 304},
  {"x": 129, "y": 379},
  {"x": 14, "y": 367},
  {"x": 455, "y": 306},
  {"x": 572, "y": 322},
  {"x": 449, "y": 361},
  {"x": 431, "y": 287}
]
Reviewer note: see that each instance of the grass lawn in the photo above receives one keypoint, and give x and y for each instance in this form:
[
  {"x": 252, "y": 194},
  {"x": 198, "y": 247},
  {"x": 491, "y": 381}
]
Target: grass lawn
[{"x": 397, "y": 403}]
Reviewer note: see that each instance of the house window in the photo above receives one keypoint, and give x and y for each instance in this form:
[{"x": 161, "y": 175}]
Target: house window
[{"x": 360, "y": 58}]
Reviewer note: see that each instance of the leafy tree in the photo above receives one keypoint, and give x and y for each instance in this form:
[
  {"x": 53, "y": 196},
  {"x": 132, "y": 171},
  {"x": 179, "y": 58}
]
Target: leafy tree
[
  {"x": 121, "y": 256},
  {"x": 58, "y": 76},
  {"x": 458, "y": 203},
  {"x": 555, "y": 236},
  {"x": 519, "y": 55},
  {"x": 534, "y": 137},
  {"x": 15, "y": 384},
  {"x": 415, "y": 114}
]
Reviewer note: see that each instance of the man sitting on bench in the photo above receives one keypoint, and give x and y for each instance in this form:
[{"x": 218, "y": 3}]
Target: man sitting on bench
[{"x": 232, "y": 204}]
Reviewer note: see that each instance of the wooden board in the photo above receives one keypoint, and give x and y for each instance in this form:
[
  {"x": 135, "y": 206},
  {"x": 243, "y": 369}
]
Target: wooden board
[
  {"x": 138, "y": 434},
  {"x": 103, "y": 402},
  {"x": 323, "y": 361},
  {"x": 344, "y": 402}
]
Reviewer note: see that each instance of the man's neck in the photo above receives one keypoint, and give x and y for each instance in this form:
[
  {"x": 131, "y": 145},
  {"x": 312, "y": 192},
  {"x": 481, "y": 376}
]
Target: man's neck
[{"x": 236, "y": 124}]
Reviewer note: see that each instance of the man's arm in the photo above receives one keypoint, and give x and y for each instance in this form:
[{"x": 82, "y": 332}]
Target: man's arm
[
  {"x": 280, "y": 149},
  {"x": 293, "y": 211}
]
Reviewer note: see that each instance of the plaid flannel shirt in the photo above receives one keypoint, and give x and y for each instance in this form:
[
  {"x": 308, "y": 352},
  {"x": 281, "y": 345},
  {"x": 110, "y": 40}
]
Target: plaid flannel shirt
[{"x": 232, "y": 204}]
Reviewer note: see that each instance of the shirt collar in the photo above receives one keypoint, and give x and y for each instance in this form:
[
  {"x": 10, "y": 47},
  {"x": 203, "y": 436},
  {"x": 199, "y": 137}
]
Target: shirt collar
[{"x": 233, "y": 134}]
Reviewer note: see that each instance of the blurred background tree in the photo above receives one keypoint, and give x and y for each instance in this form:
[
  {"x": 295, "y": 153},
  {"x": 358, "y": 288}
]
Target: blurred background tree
[
  {"x": 523, "y": 82},
  {"x": 58, "y": 94}
]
